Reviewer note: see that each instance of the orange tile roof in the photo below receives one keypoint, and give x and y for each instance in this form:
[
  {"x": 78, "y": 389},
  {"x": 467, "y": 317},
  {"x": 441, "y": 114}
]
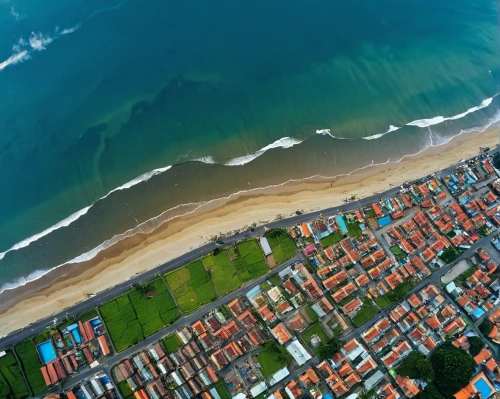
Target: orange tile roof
[
  {"x": 309, "y": 377},
  {"x": 482, "y": 356},
  {"x": 281, "y": 333},
  {"x": 407, "y": 386}
]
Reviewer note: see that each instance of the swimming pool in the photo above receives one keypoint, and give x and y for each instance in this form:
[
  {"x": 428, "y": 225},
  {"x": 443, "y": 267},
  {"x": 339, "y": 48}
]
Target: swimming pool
[
  {"x": 46, "y": 352},
  {"x": 341, "y": 224},
  {"x": 483, "y": 387}
]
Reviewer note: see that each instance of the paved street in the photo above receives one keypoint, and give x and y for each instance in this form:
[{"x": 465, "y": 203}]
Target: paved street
[
  {"x": 33, "y": 329},
  {"x": 186, "y": 321}
]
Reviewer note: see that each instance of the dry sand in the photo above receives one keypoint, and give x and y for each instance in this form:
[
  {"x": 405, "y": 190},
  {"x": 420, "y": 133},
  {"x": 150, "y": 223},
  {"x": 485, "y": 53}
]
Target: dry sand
[{"x": 70, "y": 284}]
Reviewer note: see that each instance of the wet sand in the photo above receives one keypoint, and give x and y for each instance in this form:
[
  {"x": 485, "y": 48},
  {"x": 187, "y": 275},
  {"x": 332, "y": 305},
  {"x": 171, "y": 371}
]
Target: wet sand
[{"x": 71, "y": 283}]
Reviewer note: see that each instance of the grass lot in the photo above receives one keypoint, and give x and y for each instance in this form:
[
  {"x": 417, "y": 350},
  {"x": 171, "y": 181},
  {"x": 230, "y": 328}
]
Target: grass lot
[
  {"x": 337, "y": 330},
  {"x": 331, "y": 239},
  {"x": 42, "y": 337},
  {"x": 283, "y": 248},
  {"x": 220, "y": 387},
  {"x": 224, "y": 275},
  {"x": 383, "y": 302},
  {"x": 88, "y": 315},
  {"x": 269, "y": 362},
  {"x": 315, "y": 329},
  {"x": 275, "y": 280},
  {"x": 31, "y": 364},
  {"x": 353, "y": 228},
  {"x": 251, "y": 263},
  {"x": 365, "y": 313},
  {"x": 449, "y": 255},
  {"x": 465, "y": 275},
  {"x": 171, "y": 343},
  {"x": 133, "y": 316},
  {"x": 125, "y": 390},
  {"x": 311, "y": 313},
  {"x": 12, "y": 385},
  {"x": 191, "y": 286}
]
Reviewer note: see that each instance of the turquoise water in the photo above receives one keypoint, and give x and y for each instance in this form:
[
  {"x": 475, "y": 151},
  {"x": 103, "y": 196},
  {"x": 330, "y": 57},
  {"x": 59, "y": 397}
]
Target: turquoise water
[
  {"x": 483, "y": 387},
  {"x": 95, "y": 96},
  {"x": 46, "y": 352}
]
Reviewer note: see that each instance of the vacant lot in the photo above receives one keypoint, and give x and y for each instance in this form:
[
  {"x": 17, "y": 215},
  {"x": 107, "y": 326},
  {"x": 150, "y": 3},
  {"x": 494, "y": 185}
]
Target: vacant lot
[
  {"x": 139, "y": 313},
  {"x": 171, "y": 343},
  {"x": 333, "y": 238},
  {"x": 222, "y": 271},
  {"x": 270, "y": 363},
  {"x": 365, "y": 313},
  {"x": 282, "y": 246},
  {"x": 250, "y": 262},
  {"x": 12, "y": 384},
  {"x": 31, "y": 364},
  {"x": 311, "y": 314},
  {"x": 191, "y": 286},
  {"x": 318, "y": 330}
]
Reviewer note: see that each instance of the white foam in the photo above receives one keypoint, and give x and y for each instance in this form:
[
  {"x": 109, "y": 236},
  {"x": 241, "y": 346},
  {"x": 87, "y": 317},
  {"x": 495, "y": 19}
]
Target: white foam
[
  {"x": 441, "y": 119},
  {"x": 209, "y": 160},
  {"x": 284, "y": 142},
  {"x": 14, "y": 59},
  {"x": 36, "y": 42},
  {"x": 63, "y": 223},
  {"x": 153, "y": 223},
  {"x": 71, "y": 30},
  {"x": 144, "y": 177},
  {"x": 81, "y": 212}
]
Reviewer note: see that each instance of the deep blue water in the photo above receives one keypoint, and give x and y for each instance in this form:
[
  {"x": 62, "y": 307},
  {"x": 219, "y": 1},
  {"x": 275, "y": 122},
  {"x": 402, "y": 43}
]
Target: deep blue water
[{"x": 94, "y": 94}]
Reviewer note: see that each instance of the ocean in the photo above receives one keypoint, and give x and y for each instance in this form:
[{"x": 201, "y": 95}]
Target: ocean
[{"x": 113, "y": 113}]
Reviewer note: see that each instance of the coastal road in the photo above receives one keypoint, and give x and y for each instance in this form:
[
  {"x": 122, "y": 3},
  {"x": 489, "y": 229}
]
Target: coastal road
[
  {"x": 35, "y": 328},
  {"x": 185, "y": 321}
]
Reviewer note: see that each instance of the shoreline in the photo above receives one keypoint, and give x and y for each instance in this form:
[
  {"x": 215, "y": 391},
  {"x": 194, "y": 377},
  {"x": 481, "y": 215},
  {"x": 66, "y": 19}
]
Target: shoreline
[{"x": 65, "y": 286}]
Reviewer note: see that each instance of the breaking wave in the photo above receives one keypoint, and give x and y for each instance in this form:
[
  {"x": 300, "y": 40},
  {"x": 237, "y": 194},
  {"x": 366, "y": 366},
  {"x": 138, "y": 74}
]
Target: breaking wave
[{"x": 284, "y": 142}]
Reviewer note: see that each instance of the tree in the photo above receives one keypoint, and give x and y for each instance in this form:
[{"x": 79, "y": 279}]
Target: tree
[
  {"x": 328, "y": 350},
  {"x": 416, "y": 366},
  {"x": 425, "y": 370},
  {"x": 476, "y": 344},
  {"x": 453, "y": 368},
  {"x": 486, "y": 327},
  {"x": 430, "y": 392}
]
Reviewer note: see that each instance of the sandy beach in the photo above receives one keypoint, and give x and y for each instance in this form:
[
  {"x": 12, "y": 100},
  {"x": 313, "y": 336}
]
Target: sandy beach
[{"x": 72, "y": 283}]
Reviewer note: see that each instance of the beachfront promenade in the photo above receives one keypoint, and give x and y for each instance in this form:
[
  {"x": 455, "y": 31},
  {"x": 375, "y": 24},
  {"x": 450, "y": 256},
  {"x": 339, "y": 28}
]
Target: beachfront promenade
[{"x": 100, "y": 298}]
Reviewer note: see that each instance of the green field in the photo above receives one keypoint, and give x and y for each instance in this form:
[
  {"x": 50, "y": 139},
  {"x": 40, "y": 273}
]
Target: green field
[
  {"x": 133, "y": 316},
  {"x": 125, "y": 389},
  {"x": 331, "y": 239},
  {"x": 250, "y": 263},
  {"x": 365, "y": 313},
  {"x": 12, "y": 385},
  {"x": 88, "y": 315},
  {"x": 221, "y": 389},
  {"x": 313, "y": 316},
  {"x": 282, "y": 246},
  {"x": 191, "y": 286},
  {"x": 316, "y": 329},
  {"x": 383, "y": 302},
  {"x": 31, "y": 364},
  {"x": 171, "y": 343},
  {"x": 270, "y": 363},
  {"x": 223, "y": 273}
]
